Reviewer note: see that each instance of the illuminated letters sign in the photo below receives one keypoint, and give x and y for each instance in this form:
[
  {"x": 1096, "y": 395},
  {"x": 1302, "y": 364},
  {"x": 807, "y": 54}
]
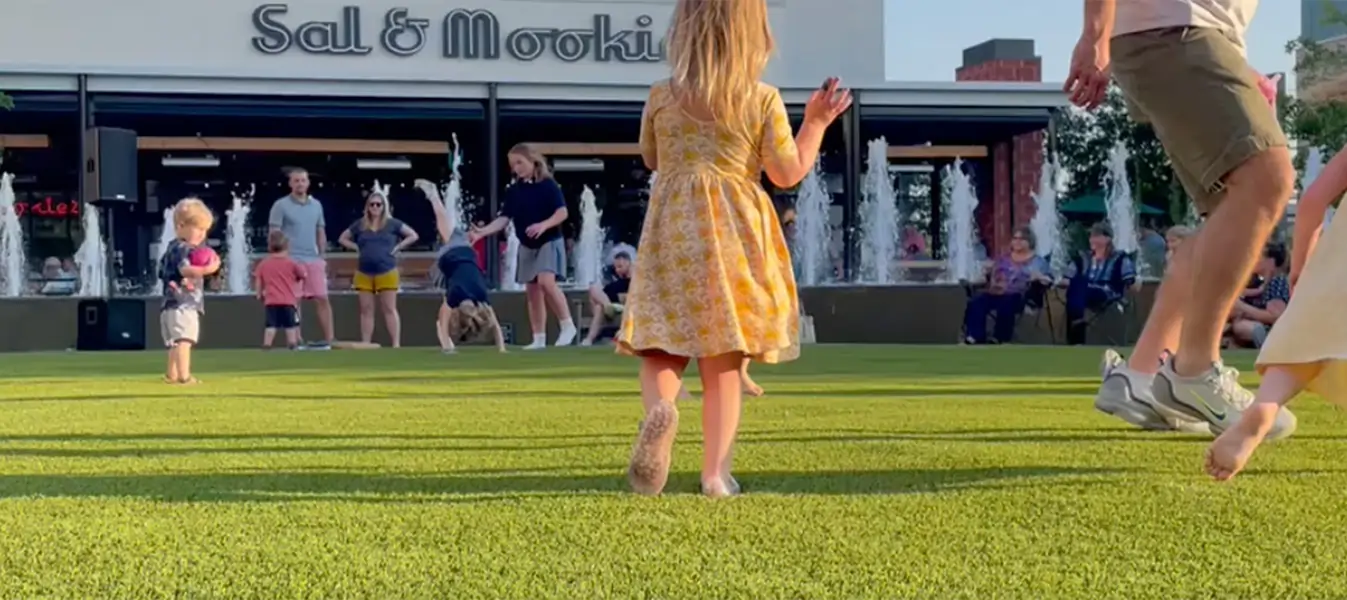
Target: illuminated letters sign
[{"x": 463, "y": 34}]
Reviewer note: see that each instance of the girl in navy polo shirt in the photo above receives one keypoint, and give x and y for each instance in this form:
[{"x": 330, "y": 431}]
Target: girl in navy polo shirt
[{"x": 537, "y": 208}]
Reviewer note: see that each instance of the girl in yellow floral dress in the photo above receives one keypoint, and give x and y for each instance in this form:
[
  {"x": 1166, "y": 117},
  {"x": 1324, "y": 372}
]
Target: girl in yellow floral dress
[{"x": 713, "y": 276}]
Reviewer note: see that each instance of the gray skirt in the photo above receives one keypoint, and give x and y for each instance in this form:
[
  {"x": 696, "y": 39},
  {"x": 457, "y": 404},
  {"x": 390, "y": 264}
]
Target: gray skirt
[{"x": 550, "y": 258}]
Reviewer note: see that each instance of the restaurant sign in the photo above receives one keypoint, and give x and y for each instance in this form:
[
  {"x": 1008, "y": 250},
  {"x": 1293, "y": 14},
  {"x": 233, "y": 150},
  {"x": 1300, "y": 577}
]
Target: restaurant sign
[{"x": 471, "y": 34}]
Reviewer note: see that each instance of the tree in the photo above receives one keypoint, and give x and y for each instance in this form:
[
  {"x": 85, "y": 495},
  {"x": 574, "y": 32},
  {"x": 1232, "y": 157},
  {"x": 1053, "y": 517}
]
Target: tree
[
  {"x": 1084, "y": 140},
  {"x": 1318, "y": 116},
  {"x": 6, "y": 102}
]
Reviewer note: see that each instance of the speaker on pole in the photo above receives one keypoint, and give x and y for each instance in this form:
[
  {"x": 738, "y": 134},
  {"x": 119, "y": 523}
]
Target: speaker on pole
[
  {"x": 111, "y": 182},
  {"x": 112, "y": 175}
]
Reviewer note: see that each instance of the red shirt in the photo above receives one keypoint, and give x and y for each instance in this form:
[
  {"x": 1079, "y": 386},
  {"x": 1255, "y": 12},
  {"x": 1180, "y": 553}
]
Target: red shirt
[{"x": 278, "y": 278}]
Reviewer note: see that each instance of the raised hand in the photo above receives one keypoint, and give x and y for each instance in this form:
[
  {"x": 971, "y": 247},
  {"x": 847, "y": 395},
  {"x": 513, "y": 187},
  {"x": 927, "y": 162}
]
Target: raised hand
[{"x": 827, "y": 103}]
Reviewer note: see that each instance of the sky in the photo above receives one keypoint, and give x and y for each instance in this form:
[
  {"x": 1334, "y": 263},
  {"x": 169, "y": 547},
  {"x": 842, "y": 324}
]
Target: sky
[{"x": 926, "y": 38}]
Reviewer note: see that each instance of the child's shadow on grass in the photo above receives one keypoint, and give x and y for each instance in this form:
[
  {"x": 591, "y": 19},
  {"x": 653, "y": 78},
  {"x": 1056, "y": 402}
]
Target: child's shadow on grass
[{"x": 471, "y": 487}]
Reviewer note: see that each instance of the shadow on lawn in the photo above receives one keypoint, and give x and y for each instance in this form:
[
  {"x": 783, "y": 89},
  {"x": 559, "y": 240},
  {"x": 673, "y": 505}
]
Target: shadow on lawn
[
  {"x": 468, "y": 487},
  {"x": 602, "y": 392},
  {"x": 142, "y": 445}
]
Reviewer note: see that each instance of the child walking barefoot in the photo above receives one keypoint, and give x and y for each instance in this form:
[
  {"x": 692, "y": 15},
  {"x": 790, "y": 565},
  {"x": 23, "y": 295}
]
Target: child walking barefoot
[
  {"x": 1307, "y": 350},
  {"x": 710, "y": 130}
]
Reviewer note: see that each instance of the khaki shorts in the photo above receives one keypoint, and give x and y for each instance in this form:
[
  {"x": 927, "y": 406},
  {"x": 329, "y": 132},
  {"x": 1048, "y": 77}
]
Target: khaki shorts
[
  {"x": 1199, "y": 93},
  {"x": 180, "y": 325}
]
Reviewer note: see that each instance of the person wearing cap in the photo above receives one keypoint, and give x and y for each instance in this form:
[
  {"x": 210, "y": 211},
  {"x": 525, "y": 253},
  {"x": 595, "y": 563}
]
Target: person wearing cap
[{"x": 1096, "y": 279}]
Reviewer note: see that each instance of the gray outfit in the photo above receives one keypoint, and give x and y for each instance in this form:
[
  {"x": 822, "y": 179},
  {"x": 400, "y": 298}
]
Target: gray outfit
[
  {"x": 300, "y": 222},
  {"x": 376, "y": 247},
  {"x": 550, "y": 258}
]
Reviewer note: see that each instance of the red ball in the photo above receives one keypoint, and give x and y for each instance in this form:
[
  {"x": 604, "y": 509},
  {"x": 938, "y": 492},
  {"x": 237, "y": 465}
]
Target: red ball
[{"x": 201, "y": 257}]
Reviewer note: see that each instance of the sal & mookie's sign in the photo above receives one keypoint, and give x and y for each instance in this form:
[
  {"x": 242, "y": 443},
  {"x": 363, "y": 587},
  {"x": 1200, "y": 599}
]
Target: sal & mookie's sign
[{"x": 471, "y": 34}]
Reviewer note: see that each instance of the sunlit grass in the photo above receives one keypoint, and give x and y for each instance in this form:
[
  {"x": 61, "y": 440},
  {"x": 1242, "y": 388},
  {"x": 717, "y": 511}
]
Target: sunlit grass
[{"x": 878, "y": 472}]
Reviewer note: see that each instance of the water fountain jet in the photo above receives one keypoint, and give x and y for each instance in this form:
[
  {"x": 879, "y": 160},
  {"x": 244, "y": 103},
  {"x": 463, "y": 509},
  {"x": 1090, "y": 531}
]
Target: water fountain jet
[
  {"x": 238, "y": 253},
  {"x": 813, "y": 231},
  {"x": 960, "y": 226},
  {"x": 879, "y": 217},
  {"x": 13, "y": 263},
  {"x": 589, "y": 246}
]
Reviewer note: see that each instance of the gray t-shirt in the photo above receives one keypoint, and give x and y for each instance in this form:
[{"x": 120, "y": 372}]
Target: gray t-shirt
[
  {"x": 376, "y": 247},
  {"x": 300, "y": 222}
]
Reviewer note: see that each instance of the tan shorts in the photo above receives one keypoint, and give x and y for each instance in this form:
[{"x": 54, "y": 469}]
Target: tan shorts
[
  {"x": 1199, "y": 93},
  {"x": 180, "y": 325}
]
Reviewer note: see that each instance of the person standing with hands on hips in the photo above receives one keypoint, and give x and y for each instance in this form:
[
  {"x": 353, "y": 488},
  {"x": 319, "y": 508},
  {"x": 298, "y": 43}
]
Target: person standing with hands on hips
[
  {"x": 537, "y": 208},
  {"x": 300, "y": 217}
]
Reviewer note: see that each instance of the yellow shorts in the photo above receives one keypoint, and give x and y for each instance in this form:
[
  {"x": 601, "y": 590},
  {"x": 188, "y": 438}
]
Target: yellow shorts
[{"x": 384, "y": 282}]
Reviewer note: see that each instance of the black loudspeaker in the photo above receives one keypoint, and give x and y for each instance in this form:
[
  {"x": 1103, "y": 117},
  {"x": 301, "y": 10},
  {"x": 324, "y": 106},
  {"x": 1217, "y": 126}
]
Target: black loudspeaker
[
  {"x": 111, "y": 324},
  {"x": 111, "y": 176}
]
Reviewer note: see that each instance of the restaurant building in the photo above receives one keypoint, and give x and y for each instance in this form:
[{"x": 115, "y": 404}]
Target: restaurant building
[{"x": 225, "y": 94}]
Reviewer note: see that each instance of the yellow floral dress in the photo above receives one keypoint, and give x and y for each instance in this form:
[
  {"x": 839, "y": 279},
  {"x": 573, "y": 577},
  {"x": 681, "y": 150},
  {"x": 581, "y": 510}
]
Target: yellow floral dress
[{"x": 713, "y": 274}]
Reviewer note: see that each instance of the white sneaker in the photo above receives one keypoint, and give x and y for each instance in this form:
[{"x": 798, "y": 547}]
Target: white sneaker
[
  {"x": 1215, "y": 397},
  {"x": 1126, "y": 394},
  {"x": 1109, "y": 362},
  {"x": 538, "y": 344},
  {"x": 567, "y": 335},
  {"x": 1132, "y": 399},
  {"x": 586, "y": 343}
]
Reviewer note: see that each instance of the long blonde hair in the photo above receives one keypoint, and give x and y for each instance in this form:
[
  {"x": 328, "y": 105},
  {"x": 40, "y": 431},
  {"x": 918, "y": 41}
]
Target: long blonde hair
[
  {"x": 718, "y": 50},
  {"x": 469, "y": 319},
  {"x": 540, "y": 169},
  {"x": 383, "y": 213}
]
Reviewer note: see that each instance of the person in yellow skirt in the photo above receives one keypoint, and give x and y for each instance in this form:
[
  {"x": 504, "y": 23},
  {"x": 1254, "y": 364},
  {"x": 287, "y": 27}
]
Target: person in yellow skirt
[
  {"x": 1307, "y": 350},
  {"x": 713, "y": 275}
]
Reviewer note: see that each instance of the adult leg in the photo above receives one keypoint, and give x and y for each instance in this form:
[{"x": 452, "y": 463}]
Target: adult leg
[
  {"x": 388, "y": 304},
  {"x": 1256, "y": 193},
  {"x": 721, "y": 405},
  {"x": 595, "y": 324},
  {"x": 1007, "y": 310},
  {"x": 366, "y": 316},
  {"x": 1077, "y": 298},
  {"x": 1247, "y": 333},
  {"x": 1198, "y": 91},
  {"x": 1160, "y": 334},
  {"x": 661, "y": 378},
  {"x": 975, "y": 318},
  {"x": 315, "y": 284}
]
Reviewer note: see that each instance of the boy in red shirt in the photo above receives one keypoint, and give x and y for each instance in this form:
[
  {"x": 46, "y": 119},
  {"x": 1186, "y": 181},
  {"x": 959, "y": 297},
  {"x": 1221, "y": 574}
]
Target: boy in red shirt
[{"x": 276, "y": 279}]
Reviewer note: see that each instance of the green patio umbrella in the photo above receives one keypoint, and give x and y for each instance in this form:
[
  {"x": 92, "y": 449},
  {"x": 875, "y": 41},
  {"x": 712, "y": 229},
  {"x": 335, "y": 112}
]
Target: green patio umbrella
[{"x": 1095, "y": 204}]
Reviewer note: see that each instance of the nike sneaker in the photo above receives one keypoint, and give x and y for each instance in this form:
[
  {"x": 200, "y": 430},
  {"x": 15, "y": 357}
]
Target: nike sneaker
[{"x": 1215, "y": 397}]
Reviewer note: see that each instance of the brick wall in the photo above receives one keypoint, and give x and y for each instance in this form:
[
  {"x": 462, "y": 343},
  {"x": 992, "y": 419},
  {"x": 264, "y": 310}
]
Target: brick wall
[{"x": 995, "y": 217}]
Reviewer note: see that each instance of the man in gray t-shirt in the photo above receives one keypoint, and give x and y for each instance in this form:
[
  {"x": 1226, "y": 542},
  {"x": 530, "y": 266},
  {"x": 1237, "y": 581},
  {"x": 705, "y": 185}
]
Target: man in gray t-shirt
[{"x": 300, "y": 217}]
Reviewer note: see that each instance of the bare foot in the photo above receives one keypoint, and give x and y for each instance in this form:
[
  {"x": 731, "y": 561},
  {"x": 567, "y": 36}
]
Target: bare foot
[
  {"x": 650, "y": 457},
  {"x": 1227, "y": 455},
  {"x": 751, "y": 387}
]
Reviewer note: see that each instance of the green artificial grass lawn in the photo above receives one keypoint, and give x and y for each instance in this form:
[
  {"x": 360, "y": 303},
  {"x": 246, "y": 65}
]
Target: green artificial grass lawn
[{"x": 869, "y": 472}]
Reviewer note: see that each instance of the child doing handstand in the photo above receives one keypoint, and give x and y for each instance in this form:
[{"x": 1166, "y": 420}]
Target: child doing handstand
[{"x": 466, "y": 310}]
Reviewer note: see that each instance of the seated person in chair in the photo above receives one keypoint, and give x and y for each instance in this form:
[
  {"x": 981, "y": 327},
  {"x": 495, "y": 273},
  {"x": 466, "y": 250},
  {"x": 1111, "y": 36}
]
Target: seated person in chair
[
  {"x": 1095, "y": 281},
  {"x": 1262, "y": 303},
  {"x": 606, "y": 302},
  {"x": 1018, "y": 279}
]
